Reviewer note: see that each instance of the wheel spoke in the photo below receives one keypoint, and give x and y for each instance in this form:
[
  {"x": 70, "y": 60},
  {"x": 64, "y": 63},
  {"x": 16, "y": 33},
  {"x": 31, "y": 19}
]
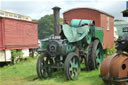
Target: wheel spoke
[
  {"x": 45, "y": 58},
  {"x": 44, "y": 71},
  {"x": 72, "y": 75},
  {"x": 76, "y": 72},
  {"x": 41, "y": 64},
  {"x": 74, "y": 60},
  {"x": 97, "y": 51},
  {"x": 70, "y": 69},
  {"x": 72, "y": 63},
  {"x": 76, "y": 65},
  {"x": 99, "y": 57},
  {"x": 98, "y": 60}
]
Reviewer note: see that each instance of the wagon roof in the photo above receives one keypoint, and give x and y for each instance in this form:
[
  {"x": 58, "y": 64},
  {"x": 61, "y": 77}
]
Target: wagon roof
[
  {"x": 19, "y": 20},
  {"x": 90, "y": 9},
  {"x": 121, "y": 22}
]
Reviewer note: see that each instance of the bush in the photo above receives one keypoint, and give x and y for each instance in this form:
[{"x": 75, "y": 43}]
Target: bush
[
  {"x": 109, "y": 51},
  {"x": 16, "y": 56}
]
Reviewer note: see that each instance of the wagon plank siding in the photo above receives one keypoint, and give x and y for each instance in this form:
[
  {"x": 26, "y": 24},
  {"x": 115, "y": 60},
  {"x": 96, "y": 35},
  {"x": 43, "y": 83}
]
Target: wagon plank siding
[
  {"x": 19, "y": 34},
  {"x": 83, "y": 14},
  {"x": 1, "y": 44}
]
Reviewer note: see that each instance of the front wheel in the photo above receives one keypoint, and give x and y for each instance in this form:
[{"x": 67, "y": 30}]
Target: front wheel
[
  {"x": 44, "y": 69},
  {"x": 72, "y": 66}
]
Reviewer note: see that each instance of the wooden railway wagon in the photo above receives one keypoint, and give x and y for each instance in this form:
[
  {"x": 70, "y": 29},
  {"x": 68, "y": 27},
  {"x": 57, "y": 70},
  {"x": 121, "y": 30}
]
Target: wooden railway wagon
[
  {"x": 101, "y": 19},
  {"x": 17, "y": 34}
]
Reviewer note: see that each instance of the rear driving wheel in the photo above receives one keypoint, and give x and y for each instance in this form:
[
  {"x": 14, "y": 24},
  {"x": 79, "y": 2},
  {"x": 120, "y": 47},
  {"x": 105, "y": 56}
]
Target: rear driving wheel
[
  {"x": 72, "y": 66},
  {"x": 95, "y": 55}
]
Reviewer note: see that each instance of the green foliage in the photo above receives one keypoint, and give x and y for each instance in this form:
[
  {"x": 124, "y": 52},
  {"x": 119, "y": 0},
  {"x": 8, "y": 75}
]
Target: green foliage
[
  {"x": 125, "y": 11},
  {"x": 61, "y": 20},
  {"x": 118, "y": 20},
  {"x": 16, "y": 55},
  {"x": 35, "y": 20},
  {"x": 109, "y": 51},
  {"x": 45, "y": 26}
]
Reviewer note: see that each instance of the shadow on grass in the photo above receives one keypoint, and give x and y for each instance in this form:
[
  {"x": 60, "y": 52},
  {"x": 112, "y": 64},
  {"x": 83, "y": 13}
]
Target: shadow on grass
[
  {"x": 31, "y": 78},
  {"x": 89, "y": 78},
  {"x": 59, "y": 76}
]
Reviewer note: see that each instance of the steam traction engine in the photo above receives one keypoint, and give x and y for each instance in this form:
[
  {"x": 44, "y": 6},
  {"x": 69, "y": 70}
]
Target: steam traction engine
[{"x": 78, "y": 42}]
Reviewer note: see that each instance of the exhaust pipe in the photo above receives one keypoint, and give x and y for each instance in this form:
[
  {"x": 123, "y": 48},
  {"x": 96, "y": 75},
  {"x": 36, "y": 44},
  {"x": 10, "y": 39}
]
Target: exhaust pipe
[{"x": 56, "y": 11}]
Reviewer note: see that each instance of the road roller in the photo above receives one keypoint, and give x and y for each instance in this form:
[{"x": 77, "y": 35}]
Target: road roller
[{"x": 114, "y": 69}]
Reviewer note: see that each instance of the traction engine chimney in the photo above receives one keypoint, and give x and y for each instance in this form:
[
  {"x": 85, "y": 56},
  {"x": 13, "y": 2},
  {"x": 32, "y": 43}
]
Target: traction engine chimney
[{"x": 56, "y": 11}]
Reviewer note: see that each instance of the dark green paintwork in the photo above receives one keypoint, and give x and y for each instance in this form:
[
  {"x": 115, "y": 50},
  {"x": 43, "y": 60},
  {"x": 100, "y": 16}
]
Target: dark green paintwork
[
  {"x": 44, "y": 44},
  {"x": 99, "y": 56},
  {"x": 99, "y": 33}
]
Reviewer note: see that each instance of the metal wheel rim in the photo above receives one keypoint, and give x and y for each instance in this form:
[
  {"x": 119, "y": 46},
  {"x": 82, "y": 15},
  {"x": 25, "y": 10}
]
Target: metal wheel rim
[
  {"x": 74, "y": 68},
  {"x": 45, "y": 64},
  {"x": 99, "y": 57}
]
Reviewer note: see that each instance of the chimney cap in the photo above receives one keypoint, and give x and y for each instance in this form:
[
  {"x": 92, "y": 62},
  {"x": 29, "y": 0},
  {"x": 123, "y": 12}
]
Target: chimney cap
[{"x": 56, "y": 7}]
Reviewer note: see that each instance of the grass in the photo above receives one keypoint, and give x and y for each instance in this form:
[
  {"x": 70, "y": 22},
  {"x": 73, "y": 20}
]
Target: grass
[{"x": 24, "y": 73}]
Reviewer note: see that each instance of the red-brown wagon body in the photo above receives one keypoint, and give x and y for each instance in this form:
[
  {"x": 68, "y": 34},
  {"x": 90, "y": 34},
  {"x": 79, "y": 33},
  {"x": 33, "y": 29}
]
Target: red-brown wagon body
[{"x": 17, "y": 34}]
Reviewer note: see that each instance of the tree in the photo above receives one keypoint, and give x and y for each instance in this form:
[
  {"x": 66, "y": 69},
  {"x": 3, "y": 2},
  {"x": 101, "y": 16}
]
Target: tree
[
  {"x": 118, "y": 20},
  {"x": 45, "y": 26}
]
